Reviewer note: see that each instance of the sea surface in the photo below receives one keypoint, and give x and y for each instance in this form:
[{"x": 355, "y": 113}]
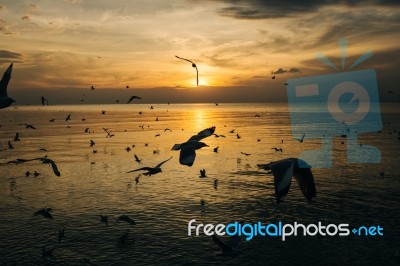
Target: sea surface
[{"x": 162, "y": 205}]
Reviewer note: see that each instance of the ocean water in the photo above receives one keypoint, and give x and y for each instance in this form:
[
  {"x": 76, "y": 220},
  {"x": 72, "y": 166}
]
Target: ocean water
[{"x": 162, "y": 205}]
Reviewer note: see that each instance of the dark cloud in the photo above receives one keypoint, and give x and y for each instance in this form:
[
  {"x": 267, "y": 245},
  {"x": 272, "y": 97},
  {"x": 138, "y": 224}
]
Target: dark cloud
[
  {"x": 291, "y": 70},
  {"x": 4, "y": 54},
  {"x": 263, "y": 9},
  {"x": 279, "y": 71},
  {"x": 294, "y": 70},
  {"x": 7, "y": 57}
]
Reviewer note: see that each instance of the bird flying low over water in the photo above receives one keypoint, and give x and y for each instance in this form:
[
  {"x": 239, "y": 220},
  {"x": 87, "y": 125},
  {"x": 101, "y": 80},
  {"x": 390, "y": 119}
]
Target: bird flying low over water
[
  {"x": 132, "y": 98},
  {"x": 43, "y": 160},
  {"x": 44, "y": 212},
  {"x": 188, "y": 148},
  {"x": 5, "y": 101},
  {"x": 151, "y": 170},
  {"x": 193, "y": 65},
  {"x": 284, "y": 170}
]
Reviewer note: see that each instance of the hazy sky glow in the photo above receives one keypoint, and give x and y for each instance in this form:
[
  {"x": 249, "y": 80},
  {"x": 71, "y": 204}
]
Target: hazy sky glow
[{"x": 110, "y": 44}]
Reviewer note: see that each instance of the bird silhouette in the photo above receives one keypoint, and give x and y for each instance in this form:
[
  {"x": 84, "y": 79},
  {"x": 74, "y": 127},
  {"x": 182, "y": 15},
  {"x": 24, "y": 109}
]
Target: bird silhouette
[
  {"x": 216, "y": 149},
  {"x": 68, "y": 117},
  {"x": 203, "y": 173},
  {"x": 193, "y": 65},
  {"x": 132, "y": 98},
  {"x": 92, "y": 143},
  {"x": 16, "y": 138},
  {"x": 44, "y": 212},
  {"x": 284, "y": 170},
  {"x": 10, "y": 146},
  {"x": 29, "y": 126},
  {"x": 188, "y": 149},
  {"x": 301, "y": 139},
  {"x": 277, "y": 149},
  {"x": 43, "y": 160},
  {"x": 137, "y": 158},
  {"x": 151, "y": 170},
  {"x": 5, "y": 101}
]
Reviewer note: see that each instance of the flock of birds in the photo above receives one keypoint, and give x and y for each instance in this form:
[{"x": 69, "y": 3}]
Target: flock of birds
[{"x": 283, "y": 170}]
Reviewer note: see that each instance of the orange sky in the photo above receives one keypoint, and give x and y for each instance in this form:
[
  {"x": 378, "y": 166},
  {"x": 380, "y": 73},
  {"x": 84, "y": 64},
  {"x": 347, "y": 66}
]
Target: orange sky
[{"x": 111, "y": 44}]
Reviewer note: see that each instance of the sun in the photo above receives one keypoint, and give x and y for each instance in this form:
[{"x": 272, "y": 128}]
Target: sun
[{"x": 202, "y": 82}]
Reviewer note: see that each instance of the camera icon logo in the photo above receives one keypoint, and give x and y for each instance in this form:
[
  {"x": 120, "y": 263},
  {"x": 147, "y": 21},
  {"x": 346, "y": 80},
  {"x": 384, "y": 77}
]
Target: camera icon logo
[{"x": 343, "y": 105}]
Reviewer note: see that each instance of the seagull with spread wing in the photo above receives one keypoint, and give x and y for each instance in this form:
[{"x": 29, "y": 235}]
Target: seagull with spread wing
[
  {"x": 193, "y": 65},
  {"x": 151, "y": 170},
  {"x": 284, "y": 170},
  {"x": 43, "y": 160},
  {"x": 133, "y": 97},
  {"x": 301, "y": 139},
  {"x": 5, "y": 101},
  {"x": 188, "y": 148}
]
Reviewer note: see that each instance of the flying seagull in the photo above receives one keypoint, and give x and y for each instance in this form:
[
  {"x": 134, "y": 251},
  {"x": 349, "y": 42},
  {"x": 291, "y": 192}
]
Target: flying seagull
[
  {"x": 193, "y": 65},
  {"x": 151, "y": 170},
  {"x": 43, "y": 160},
  {"x": 132, "y": 98},
  {"x": 301, "y": 139},
  {"x": 16, "y": 138},
  {"x": 29, "y": 126},
  {"x": 44, "y": 212},
  {"x": 5, "y": 101},
  {"x": 188, "y": 148},
  {"x": 137, "y": 158},
  {"x": 277, "y": 149},
  {"x": 284, "y": 170}
]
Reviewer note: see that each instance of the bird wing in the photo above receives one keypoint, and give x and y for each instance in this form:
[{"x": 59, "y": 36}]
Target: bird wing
[
  {"x": 130, "y": 99},
  {"x": 283, "y": 173},
  {"x": 140, "y": 169},
  {"x": 18, "y": 161},
  {"x": 187, "y": 155},
  {"x": 305, "y": 180},
  {"x": 224, "y": 247},
  {"x": 137, "y": 158},
  {"x": 159, "y": 165},
  {"x": 4, "y": 81},
  {"x": 184, "y": 59},
  {"x": 203, "y": 134},
  {"x": 54, "y": 166}
]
